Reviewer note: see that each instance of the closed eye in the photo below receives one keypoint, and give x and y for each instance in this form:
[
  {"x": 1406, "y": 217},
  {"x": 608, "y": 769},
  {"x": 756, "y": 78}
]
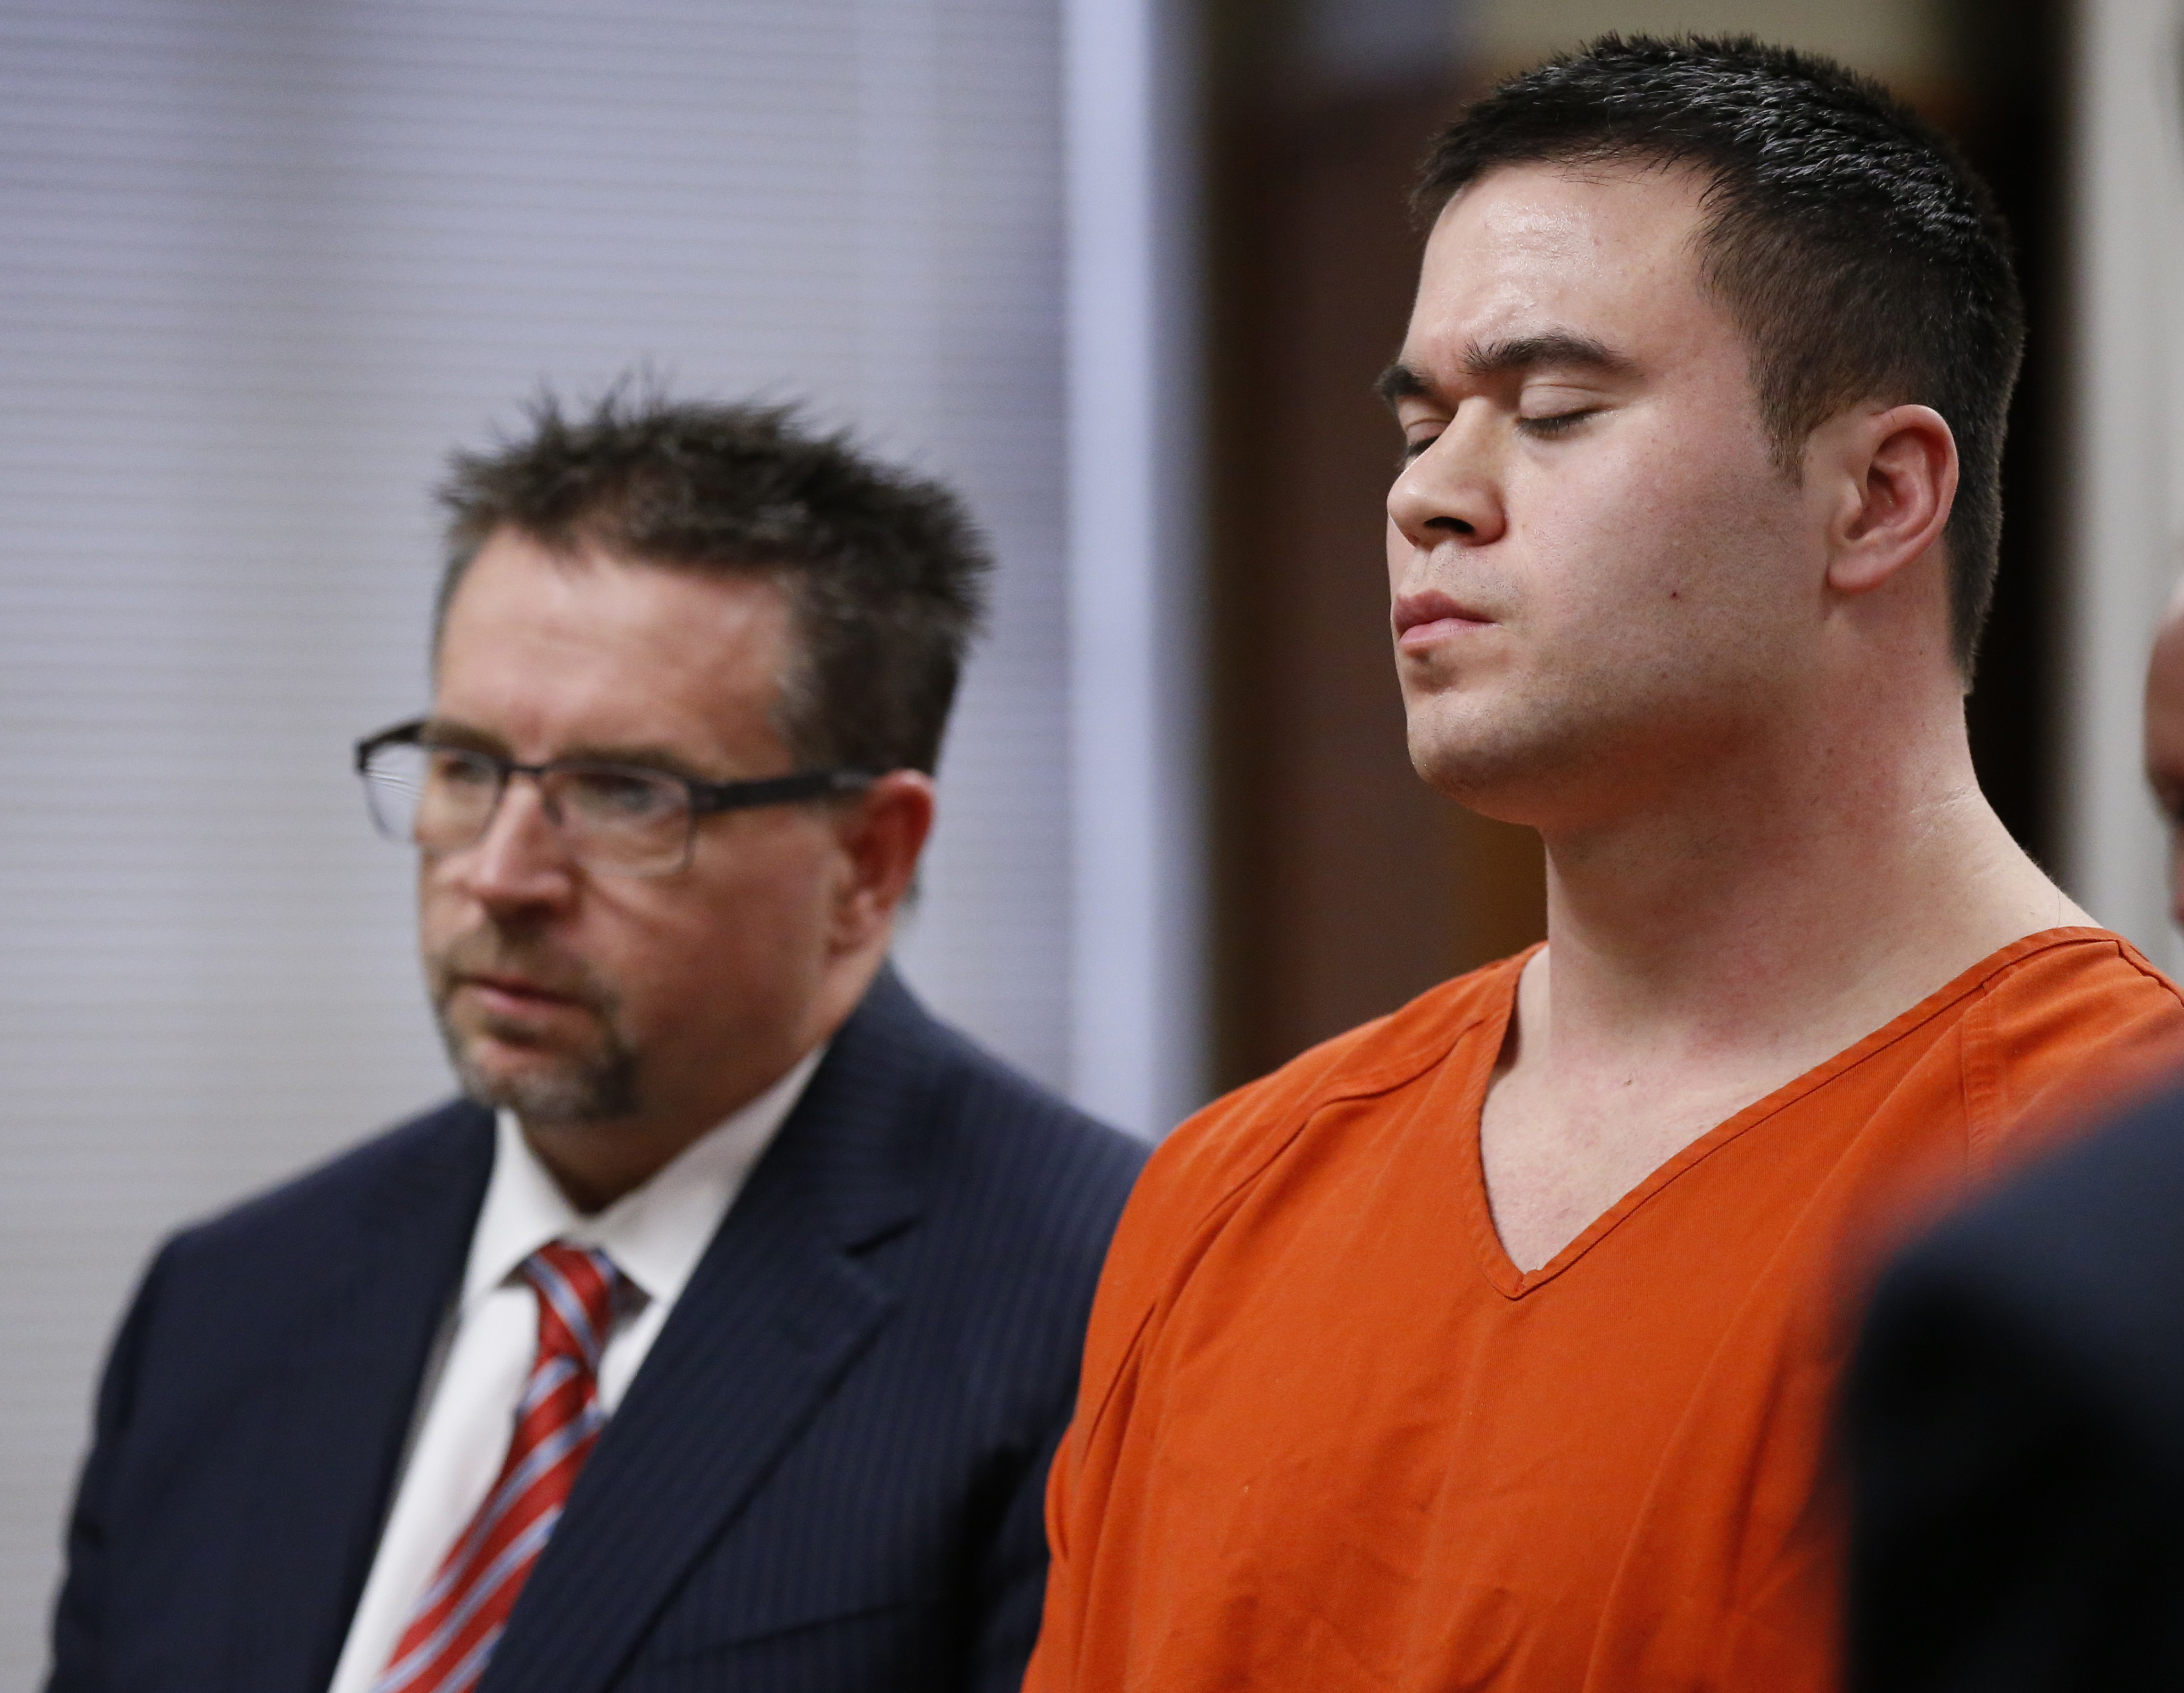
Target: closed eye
[{"x": 1558, "y": 423}]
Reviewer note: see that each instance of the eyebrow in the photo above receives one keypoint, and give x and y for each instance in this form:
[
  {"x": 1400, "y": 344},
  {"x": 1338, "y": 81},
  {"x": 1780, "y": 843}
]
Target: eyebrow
[
  {"x": 1401, "y": 381},
  {"x": 663, "y": 759},
  {"x": 453, "y": 732}
]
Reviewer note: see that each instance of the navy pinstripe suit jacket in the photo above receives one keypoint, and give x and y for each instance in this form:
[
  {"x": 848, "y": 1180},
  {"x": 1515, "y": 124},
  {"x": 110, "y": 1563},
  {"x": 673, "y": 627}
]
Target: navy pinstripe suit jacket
[{"x": 828, "y": 1473}]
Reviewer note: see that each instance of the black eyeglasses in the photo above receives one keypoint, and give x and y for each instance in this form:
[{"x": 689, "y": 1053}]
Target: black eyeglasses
[{"x": 622, "y": 818}]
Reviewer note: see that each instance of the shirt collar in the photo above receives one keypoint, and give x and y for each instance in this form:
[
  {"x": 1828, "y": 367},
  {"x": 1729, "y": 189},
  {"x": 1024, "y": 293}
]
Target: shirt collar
[{"x": 657, "y": 1232}]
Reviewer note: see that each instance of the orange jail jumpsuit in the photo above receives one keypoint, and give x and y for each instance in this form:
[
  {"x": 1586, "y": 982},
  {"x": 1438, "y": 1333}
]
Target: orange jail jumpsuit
[{"x": 1329, "y": 1438}]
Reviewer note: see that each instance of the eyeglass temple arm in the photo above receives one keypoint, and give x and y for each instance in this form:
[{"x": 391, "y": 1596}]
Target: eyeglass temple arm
[{"x": 803, "y": 784}]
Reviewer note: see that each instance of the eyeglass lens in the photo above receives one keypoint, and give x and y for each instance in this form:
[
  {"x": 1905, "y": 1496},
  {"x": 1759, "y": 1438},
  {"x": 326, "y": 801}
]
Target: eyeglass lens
[{"x": 442, "y": 799}]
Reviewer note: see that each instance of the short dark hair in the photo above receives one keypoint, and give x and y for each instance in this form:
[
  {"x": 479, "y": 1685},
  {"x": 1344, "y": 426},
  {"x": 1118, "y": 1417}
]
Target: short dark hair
[
  {"x": 884, "y": 572},
  {"x": 1851, "y": 243}
]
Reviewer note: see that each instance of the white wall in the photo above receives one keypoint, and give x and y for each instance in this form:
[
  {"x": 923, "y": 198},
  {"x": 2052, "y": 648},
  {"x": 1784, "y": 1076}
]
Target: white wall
[
  {"x": 1139, "y": 951},
  {"x": 265, "y": 263},
  {"x": 2127, "y": 527}
]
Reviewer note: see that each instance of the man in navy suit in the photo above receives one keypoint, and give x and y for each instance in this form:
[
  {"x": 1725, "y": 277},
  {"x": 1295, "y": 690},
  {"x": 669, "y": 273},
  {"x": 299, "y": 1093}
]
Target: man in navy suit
[
  {"x": 2015, "y": 1420},
  {"x": 722, "y": 1335},
  {"x": 2016, "y": 1430}
]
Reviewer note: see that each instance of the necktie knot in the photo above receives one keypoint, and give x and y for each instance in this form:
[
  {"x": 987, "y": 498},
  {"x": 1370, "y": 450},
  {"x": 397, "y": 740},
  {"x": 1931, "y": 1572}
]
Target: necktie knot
[{"x": 576, "y": 1287}]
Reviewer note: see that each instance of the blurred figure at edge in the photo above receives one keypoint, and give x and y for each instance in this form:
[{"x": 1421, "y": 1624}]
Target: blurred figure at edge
[{"x": 2015, "y": 1418}]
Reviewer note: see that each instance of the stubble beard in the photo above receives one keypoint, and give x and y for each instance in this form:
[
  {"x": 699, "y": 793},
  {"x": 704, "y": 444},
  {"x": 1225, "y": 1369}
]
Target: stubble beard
[
  {"x": 593, "y": 1086},
  {"x": 1493, "y": 758},
  {"x": 1592, "y": 746}
]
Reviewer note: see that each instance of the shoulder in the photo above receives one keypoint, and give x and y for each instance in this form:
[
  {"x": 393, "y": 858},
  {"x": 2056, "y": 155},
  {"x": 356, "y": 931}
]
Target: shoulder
[
  {"x": 1204, "y": 1172},
  {"x": 446, "y": 1151},
  {"x": 2069, "y": 1024},
  {"x": 994, "y": 1144},
  {"x": 2079, "y": 985},
  {"x": 1017, "y": 1149},
  {"x": 225, "y": 1297},
  {"x": 1237, "y": 1136}
]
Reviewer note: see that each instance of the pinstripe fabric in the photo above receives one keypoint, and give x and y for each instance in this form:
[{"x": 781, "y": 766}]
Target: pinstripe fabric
[
  {"x": 828, "y": 1478},
  {"x": 460, "y": 1616}
]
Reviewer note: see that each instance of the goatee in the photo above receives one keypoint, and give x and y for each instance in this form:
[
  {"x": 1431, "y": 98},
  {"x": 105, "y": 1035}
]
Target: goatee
[{"x": 568, "y": 1086}]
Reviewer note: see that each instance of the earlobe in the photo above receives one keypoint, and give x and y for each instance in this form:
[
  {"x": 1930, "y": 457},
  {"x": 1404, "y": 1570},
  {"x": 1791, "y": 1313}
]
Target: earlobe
[
  {"x": 883, "y": 839},
  {"x": 1901, "y": 465}
]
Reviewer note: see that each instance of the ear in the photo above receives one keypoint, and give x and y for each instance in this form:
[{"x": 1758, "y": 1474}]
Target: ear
[
  {"x": 1895, "y": 482},
  {"x": 882, "y": 832}
]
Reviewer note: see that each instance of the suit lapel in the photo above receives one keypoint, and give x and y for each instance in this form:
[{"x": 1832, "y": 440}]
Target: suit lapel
[
  {"x": 777, "y": 1311},
  {"x": 336, "y": 1411}
]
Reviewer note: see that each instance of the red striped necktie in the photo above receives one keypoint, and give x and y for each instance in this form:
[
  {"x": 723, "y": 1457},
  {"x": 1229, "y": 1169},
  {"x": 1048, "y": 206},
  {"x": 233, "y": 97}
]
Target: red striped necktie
[{"x": 459, "y": 1618}]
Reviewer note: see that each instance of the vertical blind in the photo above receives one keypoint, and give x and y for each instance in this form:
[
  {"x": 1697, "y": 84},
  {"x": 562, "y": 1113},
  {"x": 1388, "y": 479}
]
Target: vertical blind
[{"x": 264, "y": 264}]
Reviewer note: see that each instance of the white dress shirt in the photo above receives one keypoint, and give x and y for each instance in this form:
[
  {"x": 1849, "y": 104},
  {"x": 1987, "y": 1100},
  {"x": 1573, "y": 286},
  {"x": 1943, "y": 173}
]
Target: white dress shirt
[{"x": 466, "y": 1410}]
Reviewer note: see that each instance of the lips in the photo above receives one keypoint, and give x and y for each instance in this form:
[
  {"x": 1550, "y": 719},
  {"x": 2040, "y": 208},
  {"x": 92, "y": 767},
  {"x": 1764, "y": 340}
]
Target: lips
[
  {"x": 482, "y": 971},
  {"x": 516, "y": 1002},
  {"x": 516, "y": 987},
  {"x": 1426, "y": 618}
]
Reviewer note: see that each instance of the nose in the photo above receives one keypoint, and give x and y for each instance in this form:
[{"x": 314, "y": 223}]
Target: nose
[
  {"x": 520, "y": 859},
  {"x": 1452, "y": 490}
]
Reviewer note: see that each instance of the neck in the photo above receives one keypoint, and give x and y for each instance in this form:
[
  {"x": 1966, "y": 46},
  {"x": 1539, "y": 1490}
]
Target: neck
[
  {"x": 596, "y": 1161},
  {"x": 1786, "y": 893}
]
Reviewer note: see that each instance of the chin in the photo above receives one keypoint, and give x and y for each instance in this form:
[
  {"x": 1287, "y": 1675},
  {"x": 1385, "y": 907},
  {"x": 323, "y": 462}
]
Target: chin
[
  {"x": 543, "y": 1087},
  {"x": 552, "y": 1096},
  {"x": 1544, "y": 760},
  {"x": 1499, "y": 775}
]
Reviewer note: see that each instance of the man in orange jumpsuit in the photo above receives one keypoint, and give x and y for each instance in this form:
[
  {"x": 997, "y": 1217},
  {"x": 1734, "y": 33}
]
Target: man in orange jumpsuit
[{"x": 1493, "y": 1344}]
